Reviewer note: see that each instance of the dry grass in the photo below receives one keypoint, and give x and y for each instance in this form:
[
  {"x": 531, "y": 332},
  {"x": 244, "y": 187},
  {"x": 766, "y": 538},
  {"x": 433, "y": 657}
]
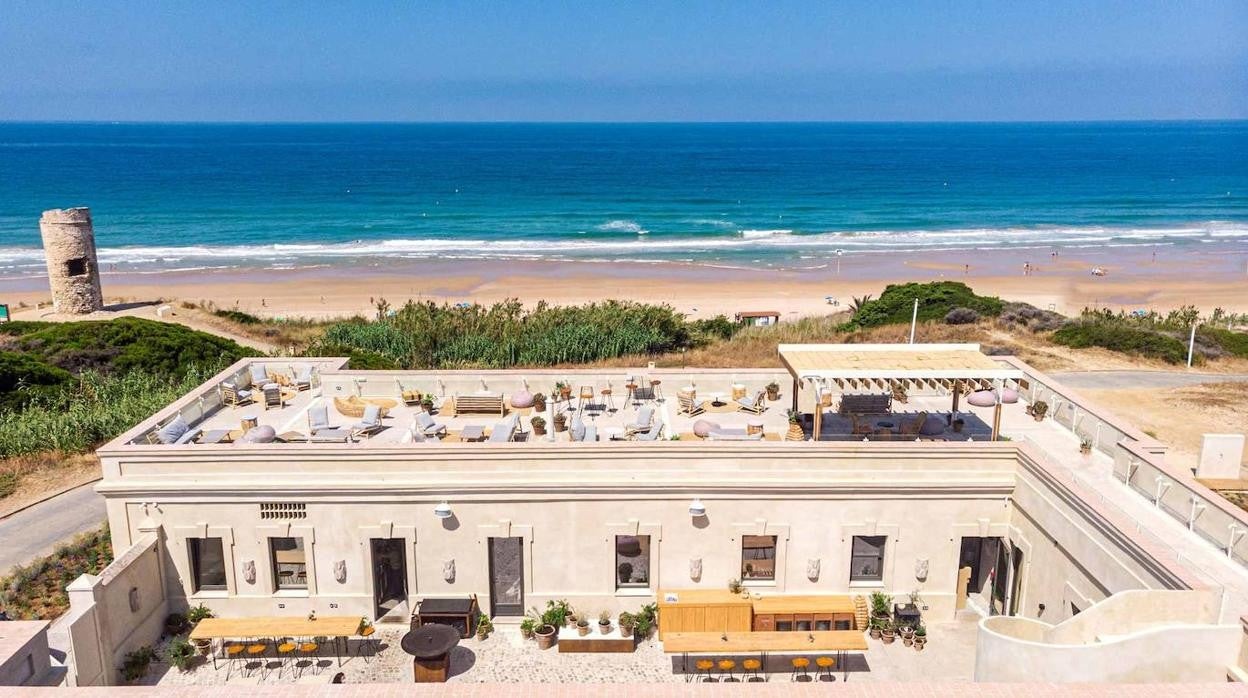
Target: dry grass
[{"x": 38, "y": 474}]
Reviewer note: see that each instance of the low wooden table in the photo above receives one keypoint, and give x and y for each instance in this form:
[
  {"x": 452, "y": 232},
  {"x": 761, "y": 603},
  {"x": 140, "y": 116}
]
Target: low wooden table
[
  {"x": 472, "y": 432},
  {"x": 215, "y": 436},
  {"x": 801, "y": 641}
]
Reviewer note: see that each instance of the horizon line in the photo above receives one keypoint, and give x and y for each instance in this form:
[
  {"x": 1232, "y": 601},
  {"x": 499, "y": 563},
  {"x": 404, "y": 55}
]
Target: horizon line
[{"x": 587, "y": 122}]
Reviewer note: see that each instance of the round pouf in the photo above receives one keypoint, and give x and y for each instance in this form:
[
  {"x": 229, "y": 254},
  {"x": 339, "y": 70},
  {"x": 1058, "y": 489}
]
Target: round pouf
[
  {"x": 522, "y": 399},
  {"x": 702, "y": 428},
  {"x": 982, "y": 398},
  {"x": 1009, "y": 396}
]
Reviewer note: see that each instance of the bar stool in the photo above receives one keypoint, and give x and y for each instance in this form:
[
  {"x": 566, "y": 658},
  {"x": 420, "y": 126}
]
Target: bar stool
[
  {"x": 753, "y": 667},
  {"x": 286, "y": 655},
  {"x": 825, "y": 666},
  {"x": 800, "y": 664},
  {"x": 656, "y": 389},
  {"x": 308, "y": 650},
  {"x": 631, "y": 395},
  {"x": 704, "y": 667},
  {"x": 233, "y": 655},
  {"x": 726, "y": 666},
  {"x": 370, "y": 640},
  {"x": 608, "y": 403},
  {"x": 256, "y": 651}
]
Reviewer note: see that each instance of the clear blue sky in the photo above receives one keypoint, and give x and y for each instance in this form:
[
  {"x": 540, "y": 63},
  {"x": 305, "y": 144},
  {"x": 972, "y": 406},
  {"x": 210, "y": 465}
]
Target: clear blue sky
[{"x": 627, "y": 61}]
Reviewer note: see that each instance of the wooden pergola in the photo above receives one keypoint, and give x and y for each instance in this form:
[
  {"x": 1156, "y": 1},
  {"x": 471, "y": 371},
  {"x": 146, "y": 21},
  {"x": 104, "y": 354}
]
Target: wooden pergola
[{"x": 958, "y": 368}]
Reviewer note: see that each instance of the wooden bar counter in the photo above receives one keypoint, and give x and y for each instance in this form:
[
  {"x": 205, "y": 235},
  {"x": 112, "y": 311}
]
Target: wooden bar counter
[{"x": 719, "y": 610}]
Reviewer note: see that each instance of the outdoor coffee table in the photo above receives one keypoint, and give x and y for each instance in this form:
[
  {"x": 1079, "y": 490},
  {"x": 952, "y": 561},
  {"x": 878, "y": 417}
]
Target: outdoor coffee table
[
  {"x": 215, "y": 436},
  {"x": 472, "y": 432},
  {"x": 430, "y": 646}
]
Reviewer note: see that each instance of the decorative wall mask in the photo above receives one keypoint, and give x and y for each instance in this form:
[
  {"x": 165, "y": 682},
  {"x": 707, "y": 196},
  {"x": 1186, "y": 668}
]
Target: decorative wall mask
[
  {"x": 920, "y": 569},
  {"x": 340, "y": 571},
  {"x": 695, "y": 568},
  {"x": 134, "y": 600},
  {"x": 249, "y": 571},
  {"x": 448, "y": 571},
  {"x": 812, "y": 569}
]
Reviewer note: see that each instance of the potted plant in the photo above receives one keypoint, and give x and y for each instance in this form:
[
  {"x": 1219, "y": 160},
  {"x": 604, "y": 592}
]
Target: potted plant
[
  {"x": 545, "y": 634},
  {"x": 527, "y": 626},
  {"x": 1038, "y": 409},
  {"x": 175, "y": 624},
  {"x": 920, "y": 637},
  {"x": 773, "y": 391},
  {"x": 626, "y": 622},
  {"x": 958, "y": 424},
  {"x": 734, "y": 586},
  {"x": 888, "y": 632},
  {"x": 873, "y": 628},
  {"x": 881, "y": 605},
  {"x": 1085, "y": 446},
  {"x": 604, "y": 622},
  {"x": 484, "y": 626},
  {"x": 539, "y": 426},
  {"x": 203, "y": 645},
  {"x": 643, "y": 624},
  {"x": 180, "y": 653},
  {"x": 907, "y": 635},
  {"x": 561, "y": 422},
  {"x": 555, "y": 616},
  {"x": 564, "y": 389},
  {"x": 539, "y": 402},
  {"x": 795, "y": 432},
  {"x": 426, "y": 403},
  {"x": 582, "y": 626}
]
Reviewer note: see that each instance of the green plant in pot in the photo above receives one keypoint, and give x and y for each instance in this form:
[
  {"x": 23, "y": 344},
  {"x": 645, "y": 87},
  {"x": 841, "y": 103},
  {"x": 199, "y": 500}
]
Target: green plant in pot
[
  {"x": 539, "y": 426},
  {"x": 874, "y": 628},
  {"x": 643, "y": 625},
  {"x": 773, "y": 391},
  {"x": 175, "y": 624},
  {"x": 907, "y": 635},
  {"x": 920, "y": 637},
  {"x": 888, "y": 632},
  {"x": 193, "y": 616},
  {"x": 564, "y": 389},
  {"x": 426, "y": 403},
  {"x": 180, "y": 653},
  {"x": 1085, "y": 446},
  {"x": 626, "y": 622},
  {"x": 561, "y": 421},
  {"x": 881, "y": 605},
  {"x": 527, "y": 626},
  {"x": 539, "y": 402},
  {"x": 1038, "y": 410},
  {"x": 734, "y": 585},
  {"x": 485, "y": 626},
  {"x": 554, "y": 617}
]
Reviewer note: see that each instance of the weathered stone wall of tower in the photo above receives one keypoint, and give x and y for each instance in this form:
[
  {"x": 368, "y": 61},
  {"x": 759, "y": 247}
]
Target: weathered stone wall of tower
[{"x": 74, "y": 274}]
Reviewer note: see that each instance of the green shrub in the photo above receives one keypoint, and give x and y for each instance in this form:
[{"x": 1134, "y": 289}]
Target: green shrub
[
  {"x": 237, "y": 316},
  {"x": 126, "y": 344},
  {"x": 8, "y": 483},
  {"x": 1123, "y": 337},
  {"x": 180, "y": 653},
  {"x": 17, "y": 328},
  {"x": 91, "y": 409},
  {"x": 1233, "y": 343},
  {"x": 23, "y": 377},
  {"x": 936, "y": 299},
  {"x": 36, "y": 591},
  {"x": 134, "y": 666}
]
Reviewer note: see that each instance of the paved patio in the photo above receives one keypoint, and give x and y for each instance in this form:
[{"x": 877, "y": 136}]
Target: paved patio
[{"x": 505, "y": 657}]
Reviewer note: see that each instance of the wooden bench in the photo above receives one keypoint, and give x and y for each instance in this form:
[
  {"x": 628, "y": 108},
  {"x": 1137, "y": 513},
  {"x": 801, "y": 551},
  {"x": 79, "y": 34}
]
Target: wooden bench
[
  {"x": 479, "y": 404},
  {"x": 875, "y": 403}
]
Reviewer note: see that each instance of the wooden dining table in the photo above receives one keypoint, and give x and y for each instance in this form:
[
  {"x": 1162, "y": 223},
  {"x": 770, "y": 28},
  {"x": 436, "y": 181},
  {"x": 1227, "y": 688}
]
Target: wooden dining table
[
  {"x": 337, "y": 627},
  {"x": 762, "y": 642}
]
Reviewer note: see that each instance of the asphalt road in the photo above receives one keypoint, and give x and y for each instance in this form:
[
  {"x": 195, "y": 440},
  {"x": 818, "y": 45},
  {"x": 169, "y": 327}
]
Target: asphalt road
[
  {"x": 36, "y": 531},
  {"x": 1125, "y": 380}
]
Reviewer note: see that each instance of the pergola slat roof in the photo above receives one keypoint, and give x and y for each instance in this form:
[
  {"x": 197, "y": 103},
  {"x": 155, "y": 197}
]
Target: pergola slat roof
[{"x": 914, "y": 362}]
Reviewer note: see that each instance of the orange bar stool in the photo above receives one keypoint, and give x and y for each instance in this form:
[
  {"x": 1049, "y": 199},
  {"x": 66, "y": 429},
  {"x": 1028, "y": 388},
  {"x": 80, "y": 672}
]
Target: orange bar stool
[
  {"x": 234, "y": 655},
  {"x": 608, "y": 403},
  {"x": 704, "y": 667},
  {"x": 308, "y": 650},
  {"x": 825, "y": 666},
  {"x": 800, "y": 664},
  {"x": 286, "y": 655},
  {"x": 255, "y": 651},
  {"x": 369, "y": 633},
  {"x": 726, "y": 667},
  {"x": 753, "y": 667}
]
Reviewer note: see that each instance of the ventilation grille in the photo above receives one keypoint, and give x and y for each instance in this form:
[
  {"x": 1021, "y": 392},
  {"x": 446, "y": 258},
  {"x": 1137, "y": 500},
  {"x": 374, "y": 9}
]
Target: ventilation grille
[{"x": 283, "y": 510}]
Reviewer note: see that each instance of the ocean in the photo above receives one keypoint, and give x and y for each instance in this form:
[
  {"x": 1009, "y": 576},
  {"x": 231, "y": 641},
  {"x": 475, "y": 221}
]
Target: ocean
[{"x": 206, "y": 196}]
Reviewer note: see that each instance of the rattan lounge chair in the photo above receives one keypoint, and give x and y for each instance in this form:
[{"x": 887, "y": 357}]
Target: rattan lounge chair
[
  {"x": 690, "y": 406},
  {"x": 303, "y": 377},
  {"x": 233, "y": 396},
  {"x": 504, "y": 431},
  {"x": 318, "y": 418},
  {"x": 369, "y": 424},
  {"x": 424, "y": 423},
  {"x": 651, "y": 434},
  {"x": 645, "y": 416},
  {"x": 755, "y": 406}
]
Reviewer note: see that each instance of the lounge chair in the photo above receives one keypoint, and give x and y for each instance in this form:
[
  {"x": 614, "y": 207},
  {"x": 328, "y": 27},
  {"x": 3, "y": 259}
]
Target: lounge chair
[
  {"x": 273, "y": 396},
  {"x": 425, "y": 425},
  {"x": 318, "y": 418},
  {"x": 645, "y": 416},
  {"x": 177, "y": 431},
  {"x": 303, "y": 377},
  {"x": 504, "y": 431},
  {"x": 370, "y": 424},
  {"x": 733, "y": 435},
  {"x": 755, "y": 406},
  {"x": 689, "y": 405},
  {"x": 259, "y": 375},
  {"x": 233, "y": 396},
  {"x": 651, "y": 434}
]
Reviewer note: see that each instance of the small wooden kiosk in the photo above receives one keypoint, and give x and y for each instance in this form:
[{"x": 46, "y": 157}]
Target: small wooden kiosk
[{"x": 459, "y": 613}]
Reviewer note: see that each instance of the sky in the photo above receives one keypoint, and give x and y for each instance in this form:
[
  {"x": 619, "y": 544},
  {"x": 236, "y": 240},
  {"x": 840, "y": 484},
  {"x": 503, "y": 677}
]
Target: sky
[{"x": 923, "y": 60}]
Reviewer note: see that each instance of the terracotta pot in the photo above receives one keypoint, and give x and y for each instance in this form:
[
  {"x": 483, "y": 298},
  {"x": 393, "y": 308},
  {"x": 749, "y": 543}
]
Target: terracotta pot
[
  {"x": 626, "y": 631},
  {"x": 561, "y": 426},
  {"x": 875, "y": 633},
  {"x": 604, "y": 628},
  {"x": 526, "y": 634},
  {"x": 565, "y": 393},
  {"x": 888, "y": 636},
  {"x": 773, "y": 395},
  {"x": 919, "y": 643},
  {"x": 546, "y": 636},
  {"x": 539, "y": 431},
  {"x": 795, "y": 433},
  {"x": 582, "y": 630}
]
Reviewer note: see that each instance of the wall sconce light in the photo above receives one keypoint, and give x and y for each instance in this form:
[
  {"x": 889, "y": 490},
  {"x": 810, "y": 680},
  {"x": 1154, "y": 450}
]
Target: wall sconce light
[
  {"x": 697, "y": 508},
  {"x": 443, "y": 510}
]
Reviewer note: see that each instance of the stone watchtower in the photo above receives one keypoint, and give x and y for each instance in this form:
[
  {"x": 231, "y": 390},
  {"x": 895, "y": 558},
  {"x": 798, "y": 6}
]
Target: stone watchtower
[{"x": 69, "y": 245}]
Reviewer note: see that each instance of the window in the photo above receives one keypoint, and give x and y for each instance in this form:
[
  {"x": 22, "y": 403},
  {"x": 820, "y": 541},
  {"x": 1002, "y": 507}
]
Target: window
[
  {"x": 76, "y": 266},
  {"x": 866, "y": 562},
  {"x": 758, "y": 558},
  {"x": 207, "y": 564},
  {"x": 632, "y": 562},
  {"x": 289, "y": 563}
]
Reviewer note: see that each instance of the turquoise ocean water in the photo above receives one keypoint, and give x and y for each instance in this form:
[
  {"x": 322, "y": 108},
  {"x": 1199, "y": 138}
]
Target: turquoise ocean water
[{"x": 195, "y": 196}]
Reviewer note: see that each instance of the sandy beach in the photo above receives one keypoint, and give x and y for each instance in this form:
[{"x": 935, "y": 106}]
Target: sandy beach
[{"x": 1207, "y": 276}]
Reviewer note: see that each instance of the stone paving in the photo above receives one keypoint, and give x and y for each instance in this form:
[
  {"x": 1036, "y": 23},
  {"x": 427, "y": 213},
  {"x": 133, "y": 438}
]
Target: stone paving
[{"x": 505, "y": 657}]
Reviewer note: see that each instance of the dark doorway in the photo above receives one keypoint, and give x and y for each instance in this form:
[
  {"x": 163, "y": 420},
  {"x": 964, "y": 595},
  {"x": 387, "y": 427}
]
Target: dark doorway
[
  {"x": 389, "y": 576},
  {"x": 506, "y": 576}
]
